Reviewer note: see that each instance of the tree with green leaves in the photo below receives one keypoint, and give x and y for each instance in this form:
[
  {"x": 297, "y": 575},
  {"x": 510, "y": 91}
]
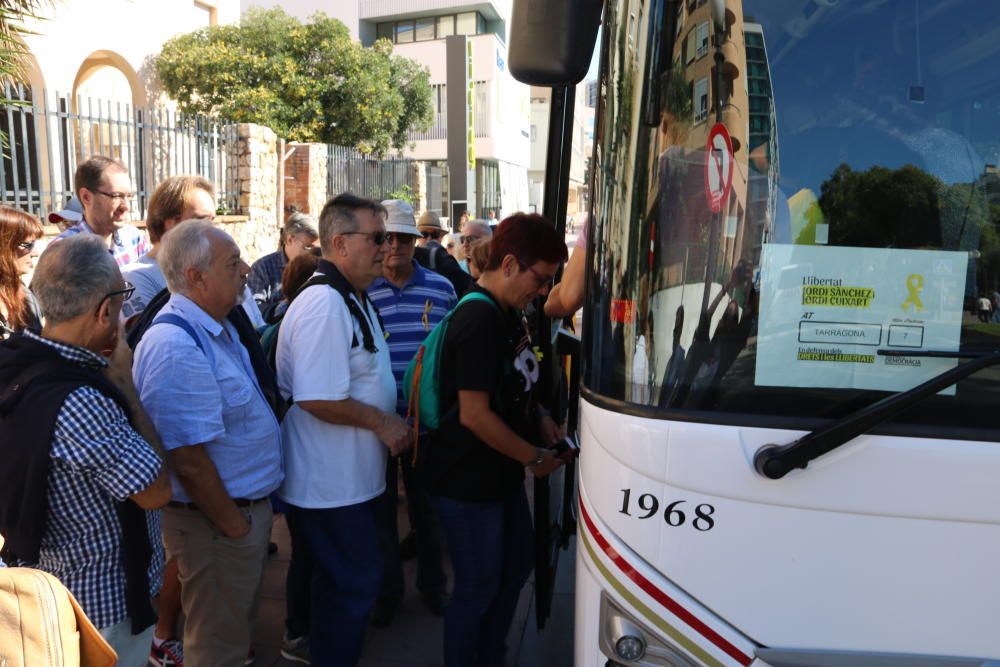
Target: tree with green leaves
[
  {"x": 306, "y": 81},
  {"x": 12, "y": 49}
]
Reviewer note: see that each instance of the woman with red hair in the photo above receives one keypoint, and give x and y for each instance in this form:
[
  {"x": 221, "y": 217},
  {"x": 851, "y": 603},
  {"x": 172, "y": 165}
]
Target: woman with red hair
[
  {"x": 18, "y": 233},
  {"x": 474, "y": 464}
]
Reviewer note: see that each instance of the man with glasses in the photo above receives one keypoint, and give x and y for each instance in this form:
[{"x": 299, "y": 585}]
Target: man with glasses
[
  {"x": 297, "y": 236},
  {"x": 432, "y": 255},
  {"x": 82, "y": 464},
  {"x": 474, "y": 231},
  {"x": 333, "y": 362},
  {"x": 105, "y": 192},
  {"x": 176, "y": 199},
  {"x": 223, "y": 442},
  {"x": 411, "y": 301}
]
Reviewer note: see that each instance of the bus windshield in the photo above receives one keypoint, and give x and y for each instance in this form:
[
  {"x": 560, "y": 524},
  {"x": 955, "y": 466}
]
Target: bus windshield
[{"x": 792, "y": 201}]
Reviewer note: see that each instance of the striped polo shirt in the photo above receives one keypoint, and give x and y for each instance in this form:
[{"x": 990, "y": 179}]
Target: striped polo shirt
[{"x": 410, "y": 313}]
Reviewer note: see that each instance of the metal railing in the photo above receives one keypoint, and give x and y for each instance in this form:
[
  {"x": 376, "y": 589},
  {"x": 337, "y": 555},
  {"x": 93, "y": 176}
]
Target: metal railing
[
  {"x": 439, "y": 130},
  {"x": 349, "y": 170},
  {"x": 48, "y": 138}
]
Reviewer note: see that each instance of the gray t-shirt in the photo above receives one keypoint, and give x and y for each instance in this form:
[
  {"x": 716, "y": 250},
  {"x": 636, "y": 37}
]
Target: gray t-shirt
[{"x": 148, "y": 280}]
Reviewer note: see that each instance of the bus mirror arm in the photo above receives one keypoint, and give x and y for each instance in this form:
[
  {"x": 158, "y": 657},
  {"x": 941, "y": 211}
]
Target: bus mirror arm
[{"x": 775, "y": 461}]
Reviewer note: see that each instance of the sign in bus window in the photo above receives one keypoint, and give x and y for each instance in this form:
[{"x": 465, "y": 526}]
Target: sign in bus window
[{"x": 826, "y": 311}]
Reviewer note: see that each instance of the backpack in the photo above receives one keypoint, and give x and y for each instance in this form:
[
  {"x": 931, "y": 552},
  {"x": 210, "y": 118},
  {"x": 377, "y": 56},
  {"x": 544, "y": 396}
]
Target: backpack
[
  {"x": 422, "y": 380},
  {"x": 42, "y": 624},
  {"x": 438, "y": 260},
  {"x": 269, "y": 336},
  {"x": 247, "y": 334}
]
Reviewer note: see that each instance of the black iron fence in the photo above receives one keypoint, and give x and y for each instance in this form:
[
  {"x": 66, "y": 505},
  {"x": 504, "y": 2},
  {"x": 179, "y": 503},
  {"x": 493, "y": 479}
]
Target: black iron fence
[
  {"x": 349, "y": 170},
  {"x": 46, "y": 139}
]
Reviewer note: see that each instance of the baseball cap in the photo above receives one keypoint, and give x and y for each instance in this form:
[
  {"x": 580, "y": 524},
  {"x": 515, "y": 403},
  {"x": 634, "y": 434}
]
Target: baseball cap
[
  {"x": 72, "y": 212},
  {"x": 399, "y": 218}
]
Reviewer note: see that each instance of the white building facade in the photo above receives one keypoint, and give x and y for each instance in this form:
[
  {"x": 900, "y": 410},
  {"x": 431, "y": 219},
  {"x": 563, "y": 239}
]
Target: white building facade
[{"x": 500, "y": 105}]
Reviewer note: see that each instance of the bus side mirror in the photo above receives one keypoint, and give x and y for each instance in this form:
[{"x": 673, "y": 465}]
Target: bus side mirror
[{"x": 551, "y": 41}]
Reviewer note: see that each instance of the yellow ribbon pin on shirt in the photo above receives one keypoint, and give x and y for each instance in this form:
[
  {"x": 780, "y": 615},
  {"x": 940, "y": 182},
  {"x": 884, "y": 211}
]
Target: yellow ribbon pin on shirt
[
  {"x": 914, "y": 283},
  {"x": 427, "y": 310}
]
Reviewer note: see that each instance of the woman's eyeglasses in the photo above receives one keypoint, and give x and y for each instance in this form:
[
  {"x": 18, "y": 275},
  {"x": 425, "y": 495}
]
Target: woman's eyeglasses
[{"x": 26, "y": 246}]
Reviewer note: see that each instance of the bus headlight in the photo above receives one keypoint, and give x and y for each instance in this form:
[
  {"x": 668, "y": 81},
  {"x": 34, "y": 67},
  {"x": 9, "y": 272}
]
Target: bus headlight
[
  {"x": 629, "y": 642},
  {"x": 630, "y": 648}
]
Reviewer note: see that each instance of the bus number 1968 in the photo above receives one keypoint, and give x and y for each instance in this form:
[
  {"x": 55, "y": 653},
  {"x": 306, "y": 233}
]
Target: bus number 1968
[{"x": 673, "y": 514}]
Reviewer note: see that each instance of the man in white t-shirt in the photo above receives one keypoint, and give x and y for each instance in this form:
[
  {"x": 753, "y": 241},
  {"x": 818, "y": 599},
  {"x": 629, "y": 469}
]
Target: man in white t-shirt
[{"x": 333, "y": 361}]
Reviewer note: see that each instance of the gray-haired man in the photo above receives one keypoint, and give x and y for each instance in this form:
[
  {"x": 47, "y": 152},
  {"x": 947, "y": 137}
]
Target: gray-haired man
[
  {"x": 222, "y": 439},
  {"x": 80, "y": 461},
  {"x": 299, "y": 235}
]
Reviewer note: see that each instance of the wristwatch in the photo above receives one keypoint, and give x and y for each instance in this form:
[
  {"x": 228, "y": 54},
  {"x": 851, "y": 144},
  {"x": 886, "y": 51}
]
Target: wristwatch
[{"x": 539, "y": 457}]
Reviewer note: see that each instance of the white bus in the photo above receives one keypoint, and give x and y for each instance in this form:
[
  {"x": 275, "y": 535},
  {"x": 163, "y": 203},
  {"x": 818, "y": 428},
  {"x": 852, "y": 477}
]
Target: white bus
[{"x": 790, "y": 407}]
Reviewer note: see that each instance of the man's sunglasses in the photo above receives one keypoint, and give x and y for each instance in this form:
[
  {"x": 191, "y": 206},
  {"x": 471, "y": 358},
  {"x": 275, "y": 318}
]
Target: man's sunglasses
[
  {"x": 401, "y": 239},
  {"x": 126, "y": 293},
  {"x": 432, "y": 235},
  {"x": 379, "y": 238}
]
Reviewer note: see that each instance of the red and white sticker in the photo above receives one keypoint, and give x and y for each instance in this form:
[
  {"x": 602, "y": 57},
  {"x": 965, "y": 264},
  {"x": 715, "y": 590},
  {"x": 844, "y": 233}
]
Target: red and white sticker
[{"x": 718, "y": 167}]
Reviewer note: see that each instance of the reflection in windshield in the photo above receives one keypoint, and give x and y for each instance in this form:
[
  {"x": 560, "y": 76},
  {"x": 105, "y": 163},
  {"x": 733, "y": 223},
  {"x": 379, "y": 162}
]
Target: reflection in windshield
[{"x": 857, "y": 125}]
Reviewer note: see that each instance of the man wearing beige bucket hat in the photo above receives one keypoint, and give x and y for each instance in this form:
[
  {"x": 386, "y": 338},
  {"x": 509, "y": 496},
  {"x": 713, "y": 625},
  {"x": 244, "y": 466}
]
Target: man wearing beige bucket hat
[
  {"x": 411, "y": 301},
  {"x": 431, "y": 255}
]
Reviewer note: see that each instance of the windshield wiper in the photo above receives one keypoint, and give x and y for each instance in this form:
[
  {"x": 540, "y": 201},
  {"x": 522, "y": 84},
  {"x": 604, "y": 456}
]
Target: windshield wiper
[{"x": 776, "y": 461}]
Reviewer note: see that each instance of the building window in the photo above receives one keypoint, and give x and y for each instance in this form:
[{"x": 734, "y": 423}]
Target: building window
[
  {"x": 466, "y": 23},
  {"x": 445, "y": 26},
  {"x": 205, "y": 14},
  {"x": 425, "y": 29},
  {"x": 702, "y": 39},
  {"x": 700, "y": 100},
  {"x": 534, "y": 133},
  {"x": 432, "y": 27},
  {"x": 404, "y": 32}
]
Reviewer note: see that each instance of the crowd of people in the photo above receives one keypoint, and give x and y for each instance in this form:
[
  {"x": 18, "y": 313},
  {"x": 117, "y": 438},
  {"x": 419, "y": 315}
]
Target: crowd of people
[{"x": 160, "y": 399}]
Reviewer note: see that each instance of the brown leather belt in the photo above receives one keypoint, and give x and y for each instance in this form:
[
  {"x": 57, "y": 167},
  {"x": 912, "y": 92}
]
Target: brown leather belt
[{"x": 240, "y": 502}]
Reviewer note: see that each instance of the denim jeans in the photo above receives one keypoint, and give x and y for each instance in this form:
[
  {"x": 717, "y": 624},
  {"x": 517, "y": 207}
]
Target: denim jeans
[
  {"x": 298, "y": 582},
  {"x": 492, "y": 551},
  {"x": 347, "y": 572},
  {"x": 431, "y": 578}
]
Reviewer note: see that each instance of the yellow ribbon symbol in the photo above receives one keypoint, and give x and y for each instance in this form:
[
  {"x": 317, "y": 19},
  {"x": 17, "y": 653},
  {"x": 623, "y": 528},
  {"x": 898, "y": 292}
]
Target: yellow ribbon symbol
[
  {"x": 425, "y": 319},
  {"x": 914, "y": 283}
]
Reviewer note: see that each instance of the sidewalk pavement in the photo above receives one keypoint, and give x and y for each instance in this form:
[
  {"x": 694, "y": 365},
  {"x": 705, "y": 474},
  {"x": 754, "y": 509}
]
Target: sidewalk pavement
[{"x": 414, "y": 638}]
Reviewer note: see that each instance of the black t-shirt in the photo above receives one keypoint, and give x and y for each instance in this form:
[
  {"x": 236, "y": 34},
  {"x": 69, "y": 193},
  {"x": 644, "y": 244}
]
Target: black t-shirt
[{"x": 485, "y": 349}]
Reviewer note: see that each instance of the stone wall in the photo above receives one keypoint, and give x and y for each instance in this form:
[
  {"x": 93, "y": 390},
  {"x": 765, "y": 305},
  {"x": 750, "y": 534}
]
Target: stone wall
[
  {"x": 305, "y": 178},
  {"x": 258, "y": 176}
]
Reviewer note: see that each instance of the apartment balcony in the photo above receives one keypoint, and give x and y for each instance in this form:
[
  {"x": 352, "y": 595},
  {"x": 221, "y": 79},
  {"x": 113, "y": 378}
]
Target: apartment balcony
[{"x": 439, "y": 130}]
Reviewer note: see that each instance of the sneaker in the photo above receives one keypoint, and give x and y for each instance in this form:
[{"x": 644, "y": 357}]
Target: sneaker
[
  {"x": 251, "y": 658},
  {"x": 169, "y": 654},
  {"x": 296, "y": 650}
]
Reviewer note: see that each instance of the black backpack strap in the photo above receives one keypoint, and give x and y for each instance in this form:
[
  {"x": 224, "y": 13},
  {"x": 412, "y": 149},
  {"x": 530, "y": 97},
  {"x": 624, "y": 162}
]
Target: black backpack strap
[
  {"x": 368, "y": 339},
  {"x": 145, "y": 319}
]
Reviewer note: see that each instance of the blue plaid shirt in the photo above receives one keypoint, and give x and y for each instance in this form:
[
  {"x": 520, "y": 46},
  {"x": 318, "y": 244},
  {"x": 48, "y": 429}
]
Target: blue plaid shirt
[
  {"x": 264, "y": 280},
  {"x": 98, "y": 459},
  {"x": 409, "y": 314},
  {"x": 128, "y": 244}
]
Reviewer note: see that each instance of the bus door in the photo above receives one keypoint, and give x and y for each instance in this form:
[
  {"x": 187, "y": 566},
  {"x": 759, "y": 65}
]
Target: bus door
[{"x": 790, "y": 380}]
